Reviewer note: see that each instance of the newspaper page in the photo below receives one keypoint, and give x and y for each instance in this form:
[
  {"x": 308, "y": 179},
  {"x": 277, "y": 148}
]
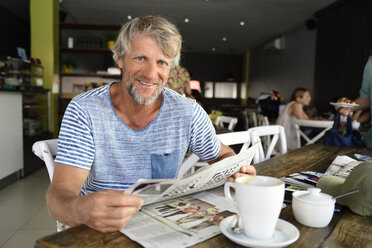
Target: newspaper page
[
  {"x": 341, "y": 166},
  {"x": 179, "y": 222},
  {"x": 206, "y": 178}
]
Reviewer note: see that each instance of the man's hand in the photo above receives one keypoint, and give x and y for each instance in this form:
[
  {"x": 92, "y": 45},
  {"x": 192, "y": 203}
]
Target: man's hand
[
  {"x": 244, "y": 170},
  {"x": 109, "y": 210},
  {"x": 345, "y": 111}
]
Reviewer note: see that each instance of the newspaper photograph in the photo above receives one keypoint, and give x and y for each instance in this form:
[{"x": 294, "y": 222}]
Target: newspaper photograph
[
  {"x": 179, "y": 222},
  {"x": 211, "y": 176}
]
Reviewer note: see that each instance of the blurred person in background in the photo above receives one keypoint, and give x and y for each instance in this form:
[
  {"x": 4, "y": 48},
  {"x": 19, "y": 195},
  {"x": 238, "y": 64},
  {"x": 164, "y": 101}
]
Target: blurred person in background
[{"x": 294, "y": 109}]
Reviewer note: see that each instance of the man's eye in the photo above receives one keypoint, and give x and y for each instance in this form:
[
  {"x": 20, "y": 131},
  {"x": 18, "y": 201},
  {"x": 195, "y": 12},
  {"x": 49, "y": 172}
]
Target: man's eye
[
  {"x": 163, "y": 63},
  {"x": 140, "y": 58}
]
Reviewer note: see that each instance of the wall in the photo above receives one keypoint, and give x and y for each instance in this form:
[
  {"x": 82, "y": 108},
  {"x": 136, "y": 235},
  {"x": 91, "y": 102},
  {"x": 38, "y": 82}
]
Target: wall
[
  {"x": 213, "y": 67},
  {"x": 344, "y": 35},
  {"x": 45, "y": 45},
  {"x": 14, "y": 31},
  {"x": 286, "y": 69}
]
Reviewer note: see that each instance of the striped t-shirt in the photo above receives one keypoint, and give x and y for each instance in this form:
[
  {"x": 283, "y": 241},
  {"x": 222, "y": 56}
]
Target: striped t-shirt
[{"x": 93, "y": 137}]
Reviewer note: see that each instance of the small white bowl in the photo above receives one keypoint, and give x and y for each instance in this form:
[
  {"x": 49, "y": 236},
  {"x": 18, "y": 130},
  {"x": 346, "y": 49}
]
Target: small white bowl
[{"x": 312, "y": 208}]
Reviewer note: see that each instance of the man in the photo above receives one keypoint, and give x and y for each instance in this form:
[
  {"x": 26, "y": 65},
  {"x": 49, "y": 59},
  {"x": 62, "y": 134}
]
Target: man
[
  {"x": 116, "y": 134},
  {"x": 365, "y": 98}
]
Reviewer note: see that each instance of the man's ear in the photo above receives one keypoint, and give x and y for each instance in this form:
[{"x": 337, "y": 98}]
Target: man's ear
[{"x": 120, "y": 62}]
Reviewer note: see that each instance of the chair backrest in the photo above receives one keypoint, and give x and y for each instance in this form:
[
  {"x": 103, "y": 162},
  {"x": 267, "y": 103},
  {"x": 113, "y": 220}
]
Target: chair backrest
[
  {"x": 46, "y": 150},
  {"x": 252, "y": 117},
  {"x": 276, "y": 133},
  {"x": 324, "y": 125},
  {"x": 231, "y": 121},
  {"x": 229, "y": 139},
  {"x": 262, "y": 120}
]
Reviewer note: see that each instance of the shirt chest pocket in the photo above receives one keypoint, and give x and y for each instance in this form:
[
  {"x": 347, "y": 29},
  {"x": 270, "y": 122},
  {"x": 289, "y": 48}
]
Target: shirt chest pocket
[{"x": 164, "y": 165}]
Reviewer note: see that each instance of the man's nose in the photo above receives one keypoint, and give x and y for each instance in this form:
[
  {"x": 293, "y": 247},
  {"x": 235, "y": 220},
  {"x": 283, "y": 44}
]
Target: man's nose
[{"x": 150, "y": 71}]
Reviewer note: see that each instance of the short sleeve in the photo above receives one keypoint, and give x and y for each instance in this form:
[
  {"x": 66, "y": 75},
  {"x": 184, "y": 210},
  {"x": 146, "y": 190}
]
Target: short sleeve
[
  {"x": 365, "y": 91},
  {"x": 203, "y": 139},
  {"x": 75, "y": 141}
]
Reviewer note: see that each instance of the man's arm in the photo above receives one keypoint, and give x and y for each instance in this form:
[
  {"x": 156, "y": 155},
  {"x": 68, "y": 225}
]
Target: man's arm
[
  {"x": 363, "y": 104},
  {"x": 105, "y": 211},
  {"x": 224, "y": 153}
]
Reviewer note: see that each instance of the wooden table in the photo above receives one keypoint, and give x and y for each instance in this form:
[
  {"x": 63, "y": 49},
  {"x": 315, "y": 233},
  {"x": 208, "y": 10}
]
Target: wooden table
[{"x": 345, "y": 230}]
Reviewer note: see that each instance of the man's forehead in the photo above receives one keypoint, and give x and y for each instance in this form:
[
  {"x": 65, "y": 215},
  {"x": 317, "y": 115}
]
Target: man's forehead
[{"x": 140, "y": 49}]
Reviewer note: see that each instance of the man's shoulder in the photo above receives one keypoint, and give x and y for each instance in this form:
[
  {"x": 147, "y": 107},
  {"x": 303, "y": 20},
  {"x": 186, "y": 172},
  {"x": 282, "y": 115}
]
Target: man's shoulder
[
  {"x": 91, "y": 94},
  {"x": 176, "y": 97}
]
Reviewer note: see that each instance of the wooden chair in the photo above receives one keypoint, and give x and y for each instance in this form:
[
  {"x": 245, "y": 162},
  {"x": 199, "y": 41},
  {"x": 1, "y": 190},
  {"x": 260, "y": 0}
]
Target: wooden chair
[{"x": 324, "y": 125}]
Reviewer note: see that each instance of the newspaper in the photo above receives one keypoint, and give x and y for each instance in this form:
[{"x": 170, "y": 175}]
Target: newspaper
[
  {"x": 342, "y": 166},
  {"x": 184, "y": 212},
  {"x": 179, "y": 222},
  {"x": 206, "y": 178}
]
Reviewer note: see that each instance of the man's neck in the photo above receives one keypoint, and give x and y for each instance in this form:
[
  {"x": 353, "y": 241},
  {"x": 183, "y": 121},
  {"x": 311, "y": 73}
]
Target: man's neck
[{"x": 135, "y": 115}]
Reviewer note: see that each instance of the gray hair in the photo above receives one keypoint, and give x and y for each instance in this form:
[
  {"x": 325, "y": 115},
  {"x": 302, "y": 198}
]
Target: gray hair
[{"x": 163, "y": 31}]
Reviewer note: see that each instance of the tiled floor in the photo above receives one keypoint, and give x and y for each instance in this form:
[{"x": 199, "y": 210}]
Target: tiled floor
[{"x": 23, "y": 213}]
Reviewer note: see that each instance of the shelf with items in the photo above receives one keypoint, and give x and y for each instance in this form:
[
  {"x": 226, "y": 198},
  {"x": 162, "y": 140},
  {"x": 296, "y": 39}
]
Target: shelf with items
[
  {"x": 84, "y": 56},
  {"x": 85, "y": 50},
  {"x": 89, "y": 26},
  {"x": 86, "y": 60},
  {"x": 91, "y": 74},
  {"x": 26, "y": 78}
]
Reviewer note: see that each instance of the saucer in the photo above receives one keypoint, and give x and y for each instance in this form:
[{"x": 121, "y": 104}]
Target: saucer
[{"x": 285, "y": 234}]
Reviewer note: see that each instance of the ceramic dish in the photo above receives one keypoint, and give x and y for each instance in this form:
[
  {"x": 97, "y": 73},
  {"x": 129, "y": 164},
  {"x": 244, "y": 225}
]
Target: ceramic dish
[
  {"x": 285, "y": 234},
  {"x": 343, "y": 104}
]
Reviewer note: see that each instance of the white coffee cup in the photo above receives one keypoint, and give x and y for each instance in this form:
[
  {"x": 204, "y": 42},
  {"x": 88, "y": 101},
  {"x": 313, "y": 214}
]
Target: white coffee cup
[{"x": 259, "y": 200}]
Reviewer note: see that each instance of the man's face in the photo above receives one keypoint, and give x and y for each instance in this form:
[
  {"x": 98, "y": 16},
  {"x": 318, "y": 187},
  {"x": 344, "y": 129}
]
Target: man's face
[{"x": 145, "y": 70}]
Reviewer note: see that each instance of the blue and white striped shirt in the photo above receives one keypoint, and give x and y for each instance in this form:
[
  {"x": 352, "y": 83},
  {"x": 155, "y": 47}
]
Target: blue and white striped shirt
[{"x": 93, "y": 137}]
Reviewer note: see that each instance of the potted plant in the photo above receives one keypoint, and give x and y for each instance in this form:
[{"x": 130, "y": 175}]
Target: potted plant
[
  {"x": 110, "y": 40},
  {"x": 68, "y": 64}
]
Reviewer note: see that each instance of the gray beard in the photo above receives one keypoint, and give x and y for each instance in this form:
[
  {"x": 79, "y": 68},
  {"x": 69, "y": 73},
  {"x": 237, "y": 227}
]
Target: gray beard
[{"x": 136, "y": 96}]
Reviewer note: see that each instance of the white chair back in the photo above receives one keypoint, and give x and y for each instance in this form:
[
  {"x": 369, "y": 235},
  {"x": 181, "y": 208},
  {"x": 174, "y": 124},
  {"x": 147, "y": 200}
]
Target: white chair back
[
  {"x": 231, "y": 121},
  {"x": 229, "y": 139},
  {"x": 252, "y": 117},
  {"x": 276, "y": 133},
  {"x": 46, "y": 150},
  {"x": 324, "y": 125},
  {"x": 262, "y": 120}
]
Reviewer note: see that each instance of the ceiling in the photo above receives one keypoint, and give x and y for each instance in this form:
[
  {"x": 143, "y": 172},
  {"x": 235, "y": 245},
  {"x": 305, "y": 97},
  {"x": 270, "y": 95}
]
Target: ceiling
[{"x": 213, "y": 26}]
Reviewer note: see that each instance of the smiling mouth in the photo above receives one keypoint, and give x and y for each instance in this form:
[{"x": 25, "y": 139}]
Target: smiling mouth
[{"x": 146, "y": 83}]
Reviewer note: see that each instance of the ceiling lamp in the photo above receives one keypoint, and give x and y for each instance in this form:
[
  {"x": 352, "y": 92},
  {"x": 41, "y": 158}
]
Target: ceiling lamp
[
  {"x": 224, "y": 39},
  {"x": 186, "y": 20},
  {"x": 242, "y": 23}
]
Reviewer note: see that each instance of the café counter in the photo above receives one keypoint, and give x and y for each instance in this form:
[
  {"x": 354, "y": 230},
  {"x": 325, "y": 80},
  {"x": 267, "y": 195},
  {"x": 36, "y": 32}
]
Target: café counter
[{"x": 11, "y": 135}]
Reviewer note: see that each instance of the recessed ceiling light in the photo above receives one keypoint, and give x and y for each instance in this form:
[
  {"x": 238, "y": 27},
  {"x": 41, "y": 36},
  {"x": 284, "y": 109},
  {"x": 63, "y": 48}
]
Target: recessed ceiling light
[
  {"x": 129, "y": 17},
  {"x": 242, "y": 23},
  {"x": 224, "y": 39},
  {"x": 186, "y": 20},
  {"x": 213, "y": 49}
]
